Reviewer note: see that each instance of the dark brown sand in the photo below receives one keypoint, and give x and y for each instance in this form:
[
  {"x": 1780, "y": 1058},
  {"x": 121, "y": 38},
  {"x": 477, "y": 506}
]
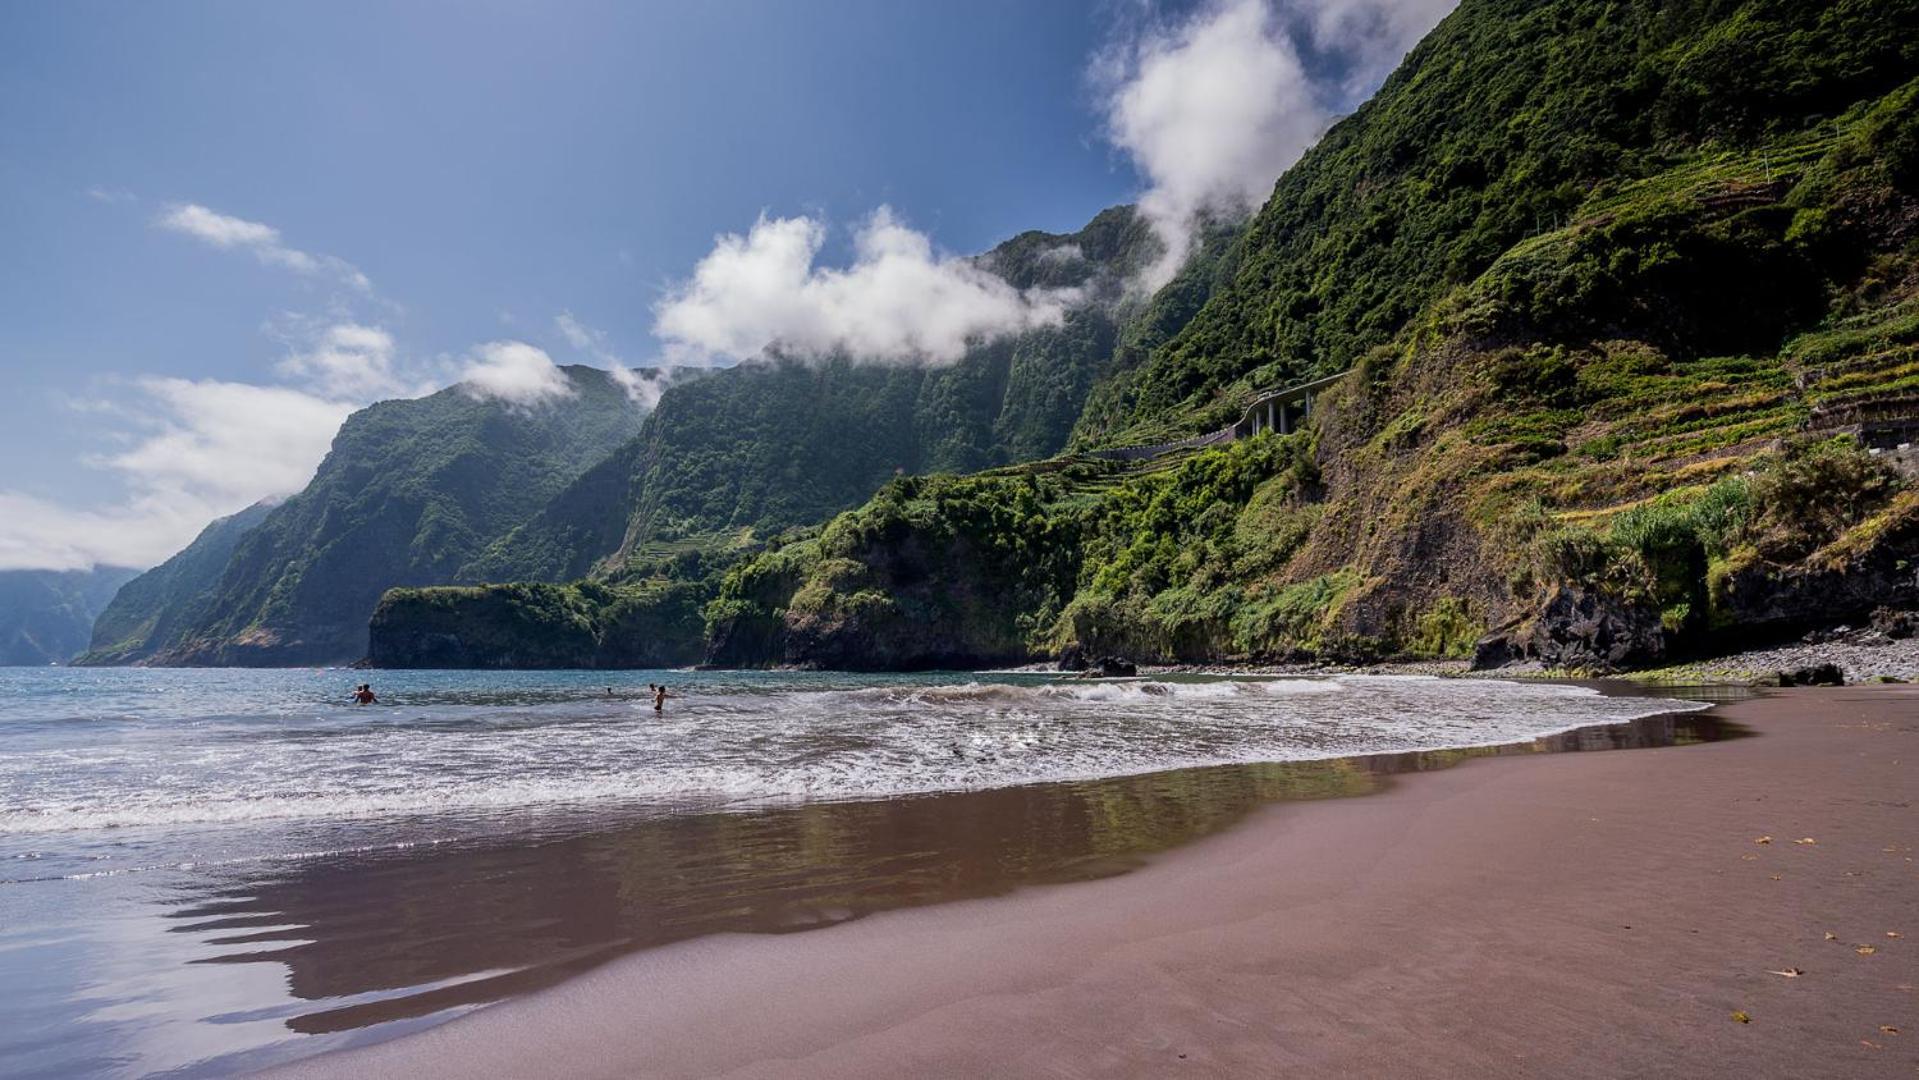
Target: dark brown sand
[{"x": 1567, "y": 915}]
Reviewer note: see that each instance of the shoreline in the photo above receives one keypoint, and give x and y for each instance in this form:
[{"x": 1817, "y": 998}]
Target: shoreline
[
  {"x": 1578, "y": 914},
  {"x": 1862, "y": 658}
]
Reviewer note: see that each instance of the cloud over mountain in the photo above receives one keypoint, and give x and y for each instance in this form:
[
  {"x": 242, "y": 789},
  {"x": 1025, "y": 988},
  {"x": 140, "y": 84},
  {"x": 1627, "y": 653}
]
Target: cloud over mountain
[
  {"x": 199, "y": 449},
  {"x": 514, "y": 372},
  {"x": 352, "y": 361},
  {"x": 1211, "y": 109},
  {"x": 899, "y": 301}
]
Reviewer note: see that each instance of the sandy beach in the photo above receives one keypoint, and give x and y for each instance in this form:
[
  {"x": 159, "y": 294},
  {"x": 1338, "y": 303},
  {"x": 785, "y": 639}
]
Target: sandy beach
[{"x": 1558, "y": 915}]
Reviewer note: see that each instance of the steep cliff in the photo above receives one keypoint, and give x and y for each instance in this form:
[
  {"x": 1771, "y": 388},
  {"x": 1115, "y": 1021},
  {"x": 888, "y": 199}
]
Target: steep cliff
[
  {"x": 775, "y": 442},
  {"x": 155, "y": 607},
  {"x": 1625, "y": 287},
  {"x": 411, "y": 491},
  {"x": 46, "y": 615}
]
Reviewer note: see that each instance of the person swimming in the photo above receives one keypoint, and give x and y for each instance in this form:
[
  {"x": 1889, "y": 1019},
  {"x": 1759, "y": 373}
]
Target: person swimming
[{"x": 363, "y": 695}]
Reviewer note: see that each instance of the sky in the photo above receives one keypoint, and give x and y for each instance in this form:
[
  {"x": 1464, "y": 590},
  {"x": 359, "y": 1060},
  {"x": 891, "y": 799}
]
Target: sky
[{"x": 224, "y": 226}]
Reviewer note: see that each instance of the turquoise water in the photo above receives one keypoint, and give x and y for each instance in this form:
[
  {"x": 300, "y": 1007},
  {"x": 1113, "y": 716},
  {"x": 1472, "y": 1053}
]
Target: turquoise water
[{"x": 201, "y": 870}]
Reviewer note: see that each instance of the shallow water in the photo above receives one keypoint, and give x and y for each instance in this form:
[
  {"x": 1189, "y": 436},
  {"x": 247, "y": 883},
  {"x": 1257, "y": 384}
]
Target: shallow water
[{"x": 204, "y": 871}]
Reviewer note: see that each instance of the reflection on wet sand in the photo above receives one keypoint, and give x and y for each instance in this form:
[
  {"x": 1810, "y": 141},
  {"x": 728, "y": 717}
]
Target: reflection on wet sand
[{"x": 372, "y": 939}]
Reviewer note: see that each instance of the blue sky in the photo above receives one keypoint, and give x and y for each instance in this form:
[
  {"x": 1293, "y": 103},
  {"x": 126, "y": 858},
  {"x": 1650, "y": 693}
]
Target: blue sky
[{"x": 225, "y": 224}]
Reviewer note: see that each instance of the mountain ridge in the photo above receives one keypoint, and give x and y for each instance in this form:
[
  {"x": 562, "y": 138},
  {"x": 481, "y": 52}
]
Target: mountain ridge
[
  {"x": 411, "y": 489},
  {"x": 1584, "y": 422}
]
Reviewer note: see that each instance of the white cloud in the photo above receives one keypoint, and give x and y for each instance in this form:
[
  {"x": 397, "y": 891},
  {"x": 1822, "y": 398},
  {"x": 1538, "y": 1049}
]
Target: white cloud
[
  {"x": 42, "y": 535},
  {"x": 514, "y": 372},
  {"x": 899, "y": 301},
  {"x": 1062, "y": 254},
  {"x": 644, "y": 387},
  {"x": 223, "y": 231},
  {"x": 1213, "y": 109},
  {"x": 1372, "y": 36},
  {"x": 205, "y": 449},
  {"x": 583, "y": 337},
  {"x": 233, "y": 442},
  {"x": 352, "y": 362},
  {"x": 110, "y": 195}
]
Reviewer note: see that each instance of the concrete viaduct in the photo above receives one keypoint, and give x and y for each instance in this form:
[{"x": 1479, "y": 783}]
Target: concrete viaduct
[{"x": 1280, "y": 411}]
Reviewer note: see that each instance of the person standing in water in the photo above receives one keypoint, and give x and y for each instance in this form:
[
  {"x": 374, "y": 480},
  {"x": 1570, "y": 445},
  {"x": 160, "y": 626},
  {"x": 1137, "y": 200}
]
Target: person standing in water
[
  {"x": 363, "y": 695},
  {"x": 659, "y": 697}
]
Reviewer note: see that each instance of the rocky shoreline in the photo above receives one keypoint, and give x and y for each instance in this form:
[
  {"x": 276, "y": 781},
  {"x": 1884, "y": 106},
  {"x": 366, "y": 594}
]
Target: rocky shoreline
[{"x": 1872, "y": 654}]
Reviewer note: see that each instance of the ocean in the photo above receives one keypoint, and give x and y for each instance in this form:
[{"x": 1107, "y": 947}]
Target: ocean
[{"x": 208, "y": 871}]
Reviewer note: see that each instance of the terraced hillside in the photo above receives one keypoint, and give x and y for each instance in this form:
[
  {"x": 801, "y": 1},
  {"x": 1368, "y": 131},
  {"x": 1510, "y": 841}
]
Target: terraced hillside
[{"x": 1613, "y": 441}]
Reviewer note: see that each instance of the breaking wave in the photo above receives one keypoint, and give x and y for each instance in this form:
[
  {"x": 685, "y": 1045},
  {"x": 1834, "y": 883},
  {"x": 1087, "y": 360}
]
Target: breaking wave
[{"x": 435, "y": 750}]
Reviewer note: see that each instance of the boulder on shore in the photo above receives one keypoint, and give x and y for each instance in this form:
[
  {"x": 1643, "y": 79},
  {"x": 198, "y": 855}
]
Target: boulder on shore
[
  {"x": 1578, "y": 629},
  {"x": 1895, "y": 624},
  {"x": 1827, "y": 674}
]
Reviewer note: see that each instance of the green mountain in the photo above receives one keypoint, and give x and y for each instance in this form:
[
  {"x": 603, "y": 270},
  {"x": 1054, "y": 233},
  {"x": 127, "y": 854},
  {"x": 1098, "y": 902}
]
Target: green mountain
[
  {"x": 1626, "y": 290},
  {"x": 45, "y": 615},
  {"x": 1501, "y": 125},
  {"x": 1624, "y": 287},
  {"x": 160, "y": 605},
  {"x": 410, "y": 492},
  {"x": 775, "y": 443},
  {"x": 733, "y": 460}
]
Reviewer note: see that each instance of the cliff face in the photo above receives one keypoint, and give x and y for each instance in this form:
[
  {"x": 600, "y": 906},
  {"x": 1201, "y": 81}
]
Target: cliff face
[
  {"x": 776, "y": 443},
  {"x": 733, "y": 461},
  {"x": 410, "y": 492},
  {"x": 46, "y": 615},
  {"x": 156, "y": 606}
]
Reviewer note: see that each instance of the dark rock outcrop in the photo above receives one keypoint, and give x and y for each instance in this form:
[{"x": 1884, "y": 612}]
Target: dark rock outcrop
[
  {"x": 1497, "y": 650},
  {"x": 1580, "y": 630},
  {"x": 1814, "y": 675},
  {"x": 1894, "y": 624},
  {"x": 1833, "y": 586}
]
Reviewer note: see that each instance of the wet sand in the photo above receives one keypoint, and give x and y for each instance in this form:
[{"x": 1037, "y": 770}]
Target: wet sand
[{"x": 1546, "y": 915}]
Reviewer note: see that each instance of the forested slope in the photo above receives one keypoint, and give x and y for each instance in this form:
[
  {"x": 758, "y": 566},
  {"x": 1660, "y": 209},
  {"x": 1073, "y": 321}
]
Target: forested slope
[
  {"x": 1624, "y": 285},
  {"x": 1500, "y": 125},
  {"x": 410, "y": 492},
  {"x": 777, "y": 442},
  {"x": 156, "y": 607},
  {"x": 1625, "y": 288}
]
